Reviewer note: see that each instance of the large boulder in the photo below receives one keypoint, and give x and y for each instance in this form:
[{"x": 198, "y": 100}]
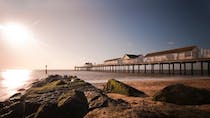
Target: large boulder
[
  {"x": 183, "y": 95},
  {"x": 71, "y": 104},
  {"x": 114, "y": 86},
  {"x": 55, "y": 96}
]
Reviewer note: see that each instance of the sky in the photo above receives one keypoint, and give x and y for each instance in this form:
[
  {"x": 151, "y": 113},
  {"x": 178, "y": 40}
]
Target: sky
[{"x": 67, "y": 33}]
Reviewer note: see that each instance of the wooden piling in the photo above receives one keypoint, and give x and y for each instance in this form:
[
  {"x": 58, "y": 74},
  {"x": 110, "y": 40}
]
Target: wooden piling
[
  {"x": 192, "y": 69},
  {"x": 201, "y": 68},
  {"x": 169, "y": 68},
  {"x": 133, "y": 68},
  {"x": 159, "y": 68},
  {"x": 172, "y": 68},
  {"x": 151, "y": 68},
  {"x": 208, "y": 68},
  {"x": 184, "y": 68},
  {"x": 128, "y": 68},
  {"x": 145, "y": 68},
  {"x": 162, "y": 69}
]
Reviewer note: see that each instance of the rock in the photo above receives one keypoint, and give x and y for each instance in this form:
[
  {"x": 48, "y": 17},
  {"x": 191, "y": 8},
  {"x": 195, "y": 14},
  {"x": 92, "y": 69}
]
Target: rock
[
  {"x": 114, "y": 86},
  {"x": 22, "y": 89},
  {"x": 56, "y": 96},
  {"x": 13, "y": 110},
  {"x": 96, "y": 99},
  {"x": 183, "y": 95},
  {"x": 49, "y": 79},
  {"x": 123, "y": 112},
  {"x": 15, "y": 97},
  {"x": 73, "y": 104}
]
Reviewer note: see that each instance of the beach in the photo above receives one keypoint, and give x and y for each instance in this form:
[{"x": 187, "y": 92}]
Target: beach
[{"x": 151, "y": 87}]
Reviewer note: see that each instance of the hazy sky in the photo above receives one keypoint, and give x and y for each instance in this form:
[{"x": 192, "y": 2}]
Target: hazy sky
[{"x": 71, "y": 32}]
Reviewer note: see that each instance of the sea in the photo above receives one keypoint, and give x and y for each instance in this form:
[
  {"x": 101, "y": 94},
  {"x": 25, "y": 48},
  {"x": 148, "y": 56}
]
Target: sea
[{"x": 13, "y": 81}]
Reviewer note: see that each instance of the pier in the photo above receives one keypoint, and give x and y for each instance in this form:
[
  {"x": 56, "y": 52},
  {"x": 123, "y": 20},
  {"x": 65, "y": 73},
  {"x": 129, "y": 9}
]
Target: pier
[
  {"x": 183, "y": 67},
  {"x": 190, "y": 60}
]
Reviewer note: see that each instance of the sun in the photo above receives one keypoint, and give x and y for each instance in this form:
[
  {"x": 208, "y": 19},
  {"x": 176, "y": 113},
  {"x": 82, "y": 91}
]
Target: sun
[{"x": 16, "y": 33}]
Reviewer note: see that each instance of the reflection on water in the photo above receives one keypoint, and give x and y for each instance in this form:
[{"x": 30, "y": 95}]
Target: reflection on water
[{"x": 12, "y": 80}]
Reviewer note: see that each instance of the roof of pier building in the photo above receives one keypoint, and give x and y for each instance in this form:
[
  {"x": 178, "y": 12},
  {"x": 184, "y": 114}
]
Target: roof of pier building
[
  {"x": 177, "y": 50},
  {"x": 130, "y": 56},
  {"x": 115, "y": 59}
]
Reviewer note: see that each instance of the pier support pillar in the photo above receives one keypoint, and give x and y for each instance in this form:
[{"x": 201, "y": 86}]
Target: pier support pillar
[
  {"x": 163, "y": 68},
  {"x": 152, "y": 68},
  {"x": 128, "y": 68},
  {"x": 125, "y": 68},
  {"x": 172, "y": 68},
  {"x": 184, "y": 68},
  {"x": 209, "y": 68},
  {"x": 169, "y": 68},
  {"x": 113, "y": 68},
  {"x": 201, "y": 68},
  {"x": 138, "y": 68},
  {"x": 180, "y": 68},
  {"x": 192, "y": 69},
  {"x": 145, "y": 68},
  {"x": 159, "y": 68},
  {"x": 133, "y": 68}
]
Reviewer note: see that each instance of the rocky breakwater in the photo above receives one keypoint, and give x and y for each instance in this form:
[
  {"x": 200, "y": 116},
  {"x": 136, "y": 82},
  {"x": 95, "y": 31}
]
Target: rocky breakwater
[{"x": 55, "y": 97}]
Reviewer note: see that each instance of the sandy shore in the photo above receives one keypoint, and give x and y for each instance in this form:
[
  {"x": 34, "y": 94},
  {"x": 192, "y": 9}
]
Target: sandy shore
[{"x": 151, "y": 87}]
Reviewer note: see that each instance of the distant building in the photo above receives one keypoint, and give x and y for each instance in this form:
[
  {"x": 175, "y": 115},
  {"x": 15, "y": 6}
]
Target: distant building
[
  {"x": 184, "y": 53},
  {"x": 115, "y": 61},
  {"x": 204, "y": 53},
  {"x": 131, "y": 59},
  {"x": 190, "y": 52},
  {"x": 88, "y": 64}
]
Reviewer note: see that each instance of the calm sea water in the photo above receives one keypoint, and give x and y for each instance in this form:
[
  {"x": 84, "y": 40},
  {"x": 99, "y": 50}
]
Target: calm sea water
[{"x": 11, "y": 81}]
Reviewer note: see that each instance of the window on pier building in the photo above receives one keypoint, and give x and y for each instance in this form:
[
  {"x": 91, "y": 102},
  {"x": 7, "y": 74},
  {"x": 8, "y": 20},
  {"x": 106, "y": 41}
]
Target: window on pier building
[{"x": 188, "y": 54}]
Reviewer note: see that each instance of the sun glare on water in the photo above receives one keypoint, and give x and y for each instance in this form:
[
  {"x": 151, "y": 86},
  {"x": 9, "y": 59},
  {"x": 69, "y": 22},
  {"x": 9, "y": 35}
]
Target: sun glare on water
[{"x": 13, "y": 79}]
